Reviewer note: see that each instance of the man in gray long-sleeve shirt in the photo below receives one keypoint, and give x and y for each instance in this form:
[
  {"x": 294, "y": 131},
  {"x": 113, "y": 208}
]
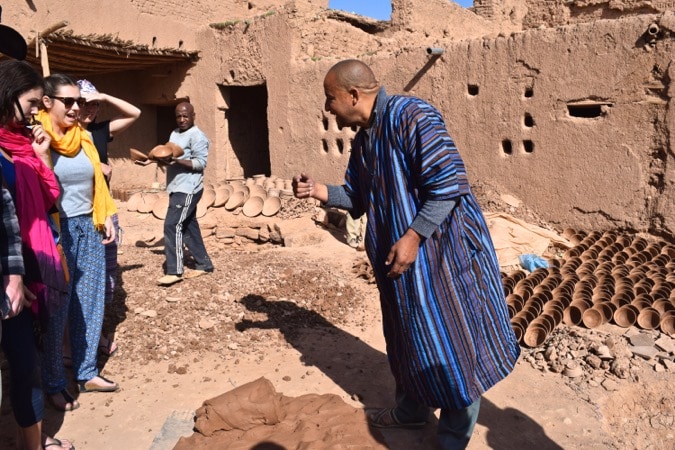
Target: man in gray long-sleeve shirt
[{"x": 185, "y": 184}]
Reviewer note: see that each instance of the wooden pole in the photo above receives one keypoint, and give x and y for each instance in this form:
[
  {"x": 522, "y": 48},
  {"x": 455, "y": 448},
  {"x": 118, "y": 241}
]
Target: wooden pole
[{"x": 44, "y": 59}]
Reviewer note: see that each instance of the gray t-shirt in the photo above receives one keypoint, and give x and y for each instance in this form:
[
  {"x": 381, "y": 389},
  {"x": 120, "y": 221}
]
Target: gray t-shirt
[{"x": 76, "y": 179}]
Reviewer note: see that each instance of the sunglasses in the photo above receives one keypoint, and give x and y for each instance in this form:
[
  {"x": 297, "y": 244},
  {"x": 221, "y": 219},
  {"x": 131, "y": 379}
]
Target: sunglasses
[{"x": 68, "y": 102}]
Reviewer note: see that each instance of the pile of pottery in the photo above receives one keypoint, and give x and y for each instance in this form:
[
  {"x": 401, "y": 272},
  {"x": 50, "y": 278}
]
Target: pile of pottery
[
  {"x": 252, "y": 197},
  {"x": 610, "y": 277}
]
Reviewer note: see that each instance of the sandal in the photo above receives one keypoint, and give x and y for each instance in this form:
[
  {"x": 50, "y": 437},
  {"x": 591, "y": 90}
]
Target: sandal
[
  {"x": 89, "y": 386},
  {"x": 67, "y": 400},
  {"x": 51, "y": 442},
  {"x": 386, "y": 418},
  {"x": 107, "y": 347}
]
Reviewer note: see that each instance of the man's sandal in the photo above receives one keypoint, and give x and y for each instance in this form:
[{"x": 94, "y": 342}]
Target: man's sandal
[{"x": 385, "y": 418}]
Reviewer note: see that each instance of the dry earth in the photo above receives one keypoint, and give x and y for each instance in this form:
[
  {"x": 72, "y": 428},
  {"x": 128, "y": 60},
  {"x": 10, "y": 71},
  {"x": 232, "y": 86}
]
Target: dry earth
[{"x": 301, "y": 317}]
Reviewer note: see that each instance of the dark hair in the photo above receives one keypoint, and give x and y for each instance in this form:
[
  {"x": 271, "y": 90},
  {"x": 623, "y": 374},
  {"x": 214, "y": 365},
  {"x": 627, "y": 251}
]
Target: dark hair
[
  {"x": 55, "y": 81},
  {"x": 16, "y": 77}
]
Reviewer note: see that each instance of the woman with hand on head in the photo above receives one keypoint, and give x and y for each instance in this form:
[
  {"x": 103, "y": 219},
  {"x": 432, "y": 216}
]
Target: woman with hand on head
[
  {"x": 24, "y": 153},
  {"x": 101, "y": 133},
  {"x": 85, "y": 211}
]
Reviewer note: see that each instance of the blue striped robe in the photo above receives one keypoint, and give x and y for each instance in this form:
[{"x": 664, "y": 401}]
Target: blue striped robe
[{"x": 445, "y": 319}]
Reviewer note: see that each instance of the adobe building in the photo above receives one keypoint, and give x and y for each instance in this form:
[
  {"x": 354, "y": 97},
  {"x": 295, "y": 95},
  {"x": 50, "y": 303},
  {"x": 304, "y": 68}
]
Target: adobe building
[{"x": 565, "y": 104}]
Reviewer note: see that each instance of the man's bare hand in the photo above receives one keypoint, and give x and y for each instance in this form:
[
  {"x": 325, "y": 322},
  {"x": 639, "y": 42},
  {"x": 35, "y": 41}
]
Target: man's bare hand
[{"x": 403, "y": 253}]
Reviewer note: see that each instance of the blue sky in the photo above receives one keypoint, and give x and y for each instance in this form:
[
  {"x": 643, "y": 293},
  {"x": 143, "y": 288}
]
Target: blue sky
[{"x": 377, "y": 9}]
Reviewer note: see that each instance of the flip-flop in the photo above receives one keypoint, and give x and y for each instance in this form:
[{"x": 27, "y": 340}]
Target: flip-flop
[
  {"x": 94, "y": 388},
  {"x": 58, "y": 443},
  {"x": 67, "y": 398},
  {"x": 108, "y": 349}
]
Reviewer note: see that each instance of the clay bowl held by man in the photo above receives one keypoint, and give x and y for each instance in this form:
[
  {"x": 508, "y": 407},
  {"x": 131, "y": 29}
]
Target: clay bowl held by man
[
  {"x": 160, "y": 153},
  {"x": 176, "y": 150},
  {"x": 137, "y": 155}
]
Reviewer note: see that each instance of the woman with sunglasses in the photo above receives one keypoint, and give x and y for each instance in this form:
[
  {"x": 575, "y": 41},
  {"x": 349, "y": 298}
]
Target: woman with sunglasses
[
  {"x": 85, "y": 211},
  {"x": 24, "y": 153},
  {"x": 103, "y": 132}
]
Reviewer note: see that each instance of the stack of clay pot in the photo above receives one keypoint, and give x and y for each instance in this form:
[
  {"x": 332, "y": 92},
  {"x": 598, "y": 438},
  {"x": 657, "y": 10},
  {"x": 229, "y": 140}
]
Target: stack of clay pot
[
  {"x": 251, "y": 197},
  {"x": 605, "y": 277}
]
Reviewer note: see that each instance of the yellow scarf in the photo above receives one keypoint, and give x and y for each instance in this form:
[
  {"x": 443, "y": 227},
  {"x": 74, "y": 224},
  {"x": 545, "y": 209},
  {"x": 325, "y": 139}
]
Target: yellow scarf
[{"x": 69, "y": 145}]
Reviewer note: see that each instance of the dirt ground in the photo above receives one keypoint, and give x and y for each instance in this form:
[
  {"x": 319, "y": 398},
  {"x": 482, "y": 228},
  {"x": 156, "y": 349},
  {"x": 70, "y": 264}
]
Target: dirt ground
[{"x": 300, "y": 317}]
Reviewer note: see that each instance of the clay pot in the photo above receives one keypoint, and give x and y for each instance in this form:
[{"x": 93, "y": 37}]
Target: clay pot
[
  {"x": 663, "y": 306},
  {"x": 668, "y": 250},
  {"x": 222, "y": 195},
  {"x": 257, "y": 191},
  {"x": 134, "y": 201},
  {"x": 534, "y": 306},
  {"x": 648, "y": 318},
  {"x": 137, "y": 155},
  {"x": 667, "y": 323},
  {"x": 620, "y": 299},
  {"x": 147, "y": 201},
  {"x": 272, "y": 192},
  {"x": 555, "y": 316},
  {"x": 517, "y": 275},
  {"x": 160, "y": 207},
  {"x": 639, "y": 243},
  {"x": 573, "y": 315},
  {"x": 626, "y": 316},
  {"x": 594, "y": 317},
  {"x": 253, "y": 206},
  {"x": 527, "y": 314},
  {"x": 640, "y": 304},
  {"x": 236, "y": 199},
  {"x": 545, "y": 322},
  {"x": 523, "y": 290},
  {"x": 271, "y": 206},
  {"x": 208, "y": 198},
  {"x": 160, "y": 152},
  {"x": 535, "y": 335},
  {"x": 554, "y": 262},
  {"x": 508, "y": 285},
  {"x": 521, "y": 321},
  {"x": 518, "y": 331},
  {"x": 569, "y": 232},
  {"x": 176, "y": 150}
]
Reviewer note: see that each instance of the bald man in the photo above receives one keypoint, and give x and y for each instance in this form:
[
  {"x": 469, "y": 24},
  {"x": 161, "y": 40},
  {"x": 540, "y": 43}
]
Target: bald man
[
  {"x": 445, "y": 321},
  {"x": 185, "y": 185}
]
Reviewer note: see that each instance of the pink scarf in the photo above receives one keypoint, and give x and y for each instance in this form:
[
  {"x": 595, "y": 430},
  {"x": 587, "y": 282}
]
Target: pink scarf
[{"x": 36, "y": 192}]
